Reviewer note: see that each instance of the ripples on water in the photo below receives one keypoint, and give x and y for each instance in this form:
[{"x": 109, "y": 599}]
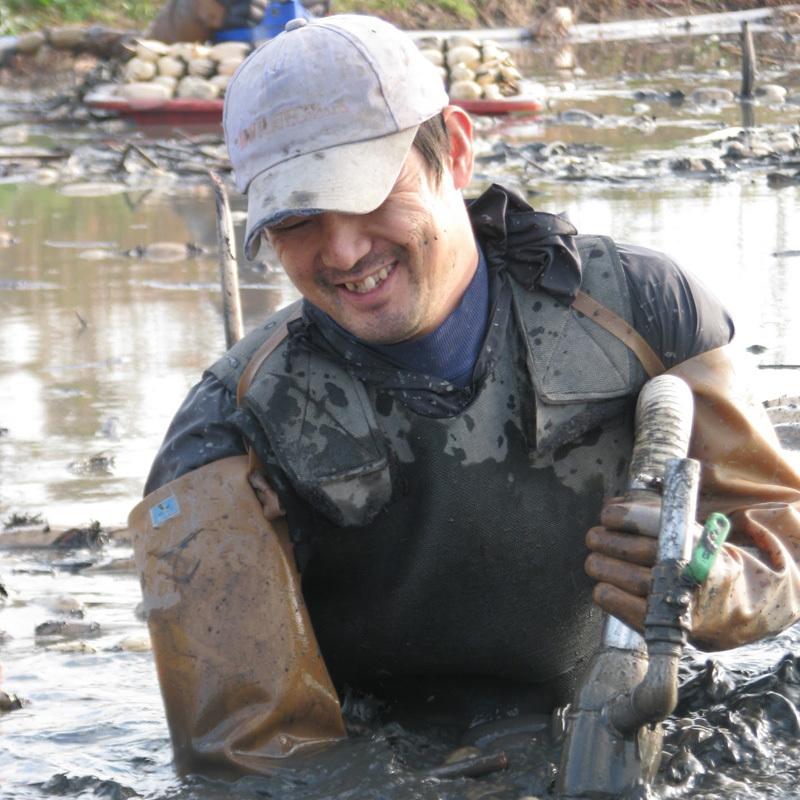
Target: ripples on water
[{"x": 96, "y": 342}]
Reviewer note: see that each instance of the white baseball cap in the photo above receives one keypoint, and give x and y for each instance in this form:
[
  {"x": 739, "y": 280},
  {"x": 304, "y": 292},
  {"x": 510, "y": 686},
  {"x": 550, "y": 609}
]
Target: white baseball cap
[{"x": 322, "y": 117}]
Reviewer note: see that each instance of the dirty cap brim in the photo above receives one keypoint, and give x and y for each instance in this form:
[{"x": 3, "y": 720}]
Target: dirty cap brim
[
  {"x": 351, "y": 178},
  {"x": 322, "y": 117}
]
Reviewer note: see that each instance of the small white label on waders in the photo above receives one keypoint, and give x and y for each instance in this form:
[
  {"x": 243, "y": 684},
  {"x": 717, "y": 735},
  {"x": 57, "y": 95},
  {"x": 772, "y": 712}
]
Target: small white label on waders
[{"x": 166, "y": 509}]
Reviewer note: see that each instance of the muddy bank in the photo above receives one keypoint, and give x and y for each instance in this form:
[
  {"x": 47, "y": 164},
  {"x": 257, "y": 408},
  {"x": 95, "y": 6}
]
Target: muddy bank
[
  {"x": 680, "y": 134},
  {"x": 473, "y": 14},
  {"x": 83, "y": 716},
  {"x": 531, "y": 13},
  {"x": 639, "y": 111}
]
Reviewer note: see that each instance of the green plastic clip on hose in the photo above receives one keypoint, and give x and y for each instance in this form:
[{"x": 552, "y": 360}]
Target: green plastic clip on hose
[{"x": 715, "y": 532}]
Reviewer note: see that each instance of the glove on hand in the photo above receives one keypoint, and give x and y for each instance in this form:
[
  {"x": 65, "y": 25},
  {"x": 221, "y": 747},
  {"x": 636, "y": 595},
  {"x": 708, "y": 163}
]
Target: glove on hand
[
  {"x": 243, "y": 13},
  {"x": 624, "y": 549}
]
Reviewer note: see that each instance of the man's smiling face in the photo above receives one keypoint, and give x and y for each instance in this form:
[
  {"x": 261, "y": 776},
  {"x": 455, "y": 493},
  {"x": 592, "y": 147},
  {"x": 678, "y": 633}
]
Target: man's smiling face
[{"x": 397, "y": 272}]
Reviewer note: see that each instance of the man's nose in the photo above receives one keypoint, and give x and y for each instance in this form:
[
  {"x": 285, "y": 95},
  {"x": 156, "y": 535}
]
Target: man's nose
[{"x": 344, "y": 240}]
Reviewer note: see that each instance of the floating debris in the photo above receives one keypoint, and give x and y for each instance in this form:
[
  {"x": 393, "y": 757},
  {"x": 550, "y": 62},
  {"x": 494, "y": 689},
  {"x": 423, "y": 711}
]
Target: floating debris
[
  {"x": 72, "y": 565},
  {"x": 784, "y": 414},
  {"x": 98, "y": 254},
  {"x": 17, "y": 520},
  {"x": 15, "y": 154},
  {"x": 709, "y": 165},
  {"x": 92, "y": 537},
  {"x": 772, "y": 93},
  {"x": 72, "y": 647},
  {"x": 111, "y": 429},
  {"x": 134, "y": 644},
  {"x": 578, "y": 116},
  {"x": 165, "y": 252},
  {"x": 712, "y": 96},
  {"x": 782, "y": 404},
  {"x": 42, "y": 535},
  {"x": 9, "y": 702},
  {"x": 462, "y": 753},
  {"x": 780, "y": 180},
  {"x": 115, "y": 565},
  {"x": 33, "y": 570},
  {"x": 788, "y": 435},
  {"x": 93, "y": 189},
  {"x": 66, "y": 629},
  {"x": 74, "y": 244},
  {"x": 64, "y": 604},
  {"x": 98, "y": 464},
  {"x": 471, "y": 767}
]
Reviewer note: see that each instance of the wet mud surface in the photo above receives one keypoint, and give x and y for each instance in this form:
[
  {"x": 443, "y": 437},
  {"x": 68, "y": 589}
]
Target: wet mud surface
[
  {"x": 84, "y": 672},
  {"x": 110, "y": 309}
]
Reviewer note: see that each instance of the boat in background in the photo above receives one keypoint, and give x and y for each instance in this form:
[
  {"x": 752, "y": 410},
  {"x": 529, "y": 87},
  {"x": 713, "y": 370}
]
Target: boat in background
[{"x": 182, "y": 111}]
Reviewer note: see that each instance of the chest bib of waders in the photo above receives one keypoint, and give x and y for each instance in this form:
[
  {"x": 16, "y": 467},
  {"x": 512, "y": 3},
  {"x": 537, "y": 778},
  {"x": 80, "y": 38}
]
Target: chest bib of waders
[{"x": 454, "y": 546}]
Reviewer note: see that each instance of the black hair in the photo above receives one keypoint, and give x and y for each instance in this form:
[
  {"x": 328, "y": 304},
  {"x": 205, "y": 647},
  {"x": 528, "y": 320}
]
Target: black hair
[{"x": 433, "y": 144}]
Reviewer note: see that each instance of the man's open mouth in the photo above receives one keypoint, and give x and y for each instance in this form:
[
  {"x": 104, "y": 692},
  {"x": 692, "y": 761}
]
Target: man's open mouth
[{"x": 371, "y": 281}]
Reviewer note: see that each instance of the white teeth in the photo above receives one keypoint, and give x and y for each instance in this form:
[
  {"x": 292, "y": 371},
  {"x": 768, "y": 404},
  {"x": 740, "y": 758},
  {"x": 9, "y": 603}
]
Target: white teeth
[{"x": 369, "y": 283}]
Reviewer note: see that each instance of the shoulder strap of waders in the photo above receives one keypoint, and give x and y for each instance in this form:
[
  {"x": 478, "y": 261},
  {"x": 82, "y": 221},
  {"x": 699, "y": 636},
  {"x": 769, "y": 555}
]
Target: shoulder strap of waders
[
  {"x": 263, "y": 352},
  {"x": 619, "y": 328},
  {"x": 254, "y": 364}
]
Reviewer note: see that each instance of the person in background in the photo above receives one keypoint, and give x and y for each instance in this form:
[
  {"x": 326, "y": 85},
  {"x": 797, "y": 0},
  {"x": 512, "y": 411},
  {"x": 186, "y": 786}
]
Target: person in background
[{"x": 205, "y": 20}]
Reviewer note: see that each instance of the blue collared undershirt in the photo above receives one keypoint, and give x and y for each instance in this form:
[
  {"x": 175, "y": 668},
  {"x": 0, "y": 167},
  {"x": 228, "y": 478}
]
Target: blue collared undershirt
[{"x": 450, "y": 351}]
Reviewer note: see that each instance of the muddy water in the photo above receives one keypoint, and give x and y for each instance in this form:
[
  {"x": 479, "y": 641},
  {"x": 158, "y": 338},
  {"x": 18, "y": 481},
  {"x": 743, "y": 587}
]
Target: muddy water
[{"x": 103, "y": 332}]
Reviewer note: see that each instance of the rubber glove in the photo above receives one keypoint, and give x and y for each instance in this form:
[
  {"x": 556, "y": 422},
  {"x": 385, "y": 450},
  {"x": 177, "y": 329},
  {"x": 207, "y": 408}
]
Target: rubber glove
[
  {"x": 623, "y": 551},
  {"x": 748, "y": 594}
]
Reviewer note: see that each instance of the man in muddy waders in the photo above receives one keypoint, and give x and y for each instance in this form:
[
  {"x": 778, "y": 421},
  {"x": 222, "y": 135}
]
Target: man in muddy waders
[{"x": 387, "y": 486}]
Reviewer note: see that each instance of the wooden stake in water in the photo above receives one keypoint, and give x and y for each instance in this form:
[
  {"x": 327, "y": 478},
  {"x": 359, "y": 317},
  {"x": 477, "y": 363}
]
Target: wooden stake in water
[
  {"x": 748, "y": 62},
  {"x": 228, "y": 267}
]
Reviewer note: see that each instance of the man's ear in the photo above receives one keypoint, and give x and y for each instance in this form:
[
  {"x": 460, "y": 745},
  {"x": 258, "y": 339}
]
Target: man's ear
[{"x": 459, "y": 130}]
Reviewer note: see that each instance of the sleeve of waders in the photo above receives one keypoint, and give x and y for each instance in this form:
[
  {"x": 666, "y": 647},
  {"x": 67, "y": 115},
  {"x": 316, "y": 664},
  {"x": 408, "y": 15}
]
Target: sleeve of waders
[
  {"x": 187, "y": 21},
  {"x": 241, "y": 675},
  {"x": 753, "y": 589}
]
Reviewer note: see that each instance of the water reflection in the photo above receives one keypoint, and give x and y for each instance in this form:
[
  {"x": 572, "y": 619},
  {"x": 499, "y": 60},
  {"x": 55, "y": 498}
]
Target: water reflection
[
  {"x": 137, "y": 354},
  {"x": 152, "y": 327}
]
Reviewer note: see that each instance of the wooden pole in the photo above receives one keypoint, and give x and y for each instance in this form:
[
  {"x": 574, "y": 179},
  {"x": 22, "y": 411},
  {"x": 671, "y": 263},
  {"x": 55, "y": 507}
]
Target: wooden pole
[
  {"x": 228, "y": 267},
  {"x": 747, "y": 107},
  {"x": 748, "y": 62}
]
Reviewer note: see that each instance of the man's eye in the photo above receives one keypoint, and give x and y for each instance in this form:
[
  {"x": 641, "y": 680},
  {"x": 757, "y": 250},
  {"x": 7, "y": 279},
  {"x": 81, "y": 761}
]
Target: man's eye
[{"x": 289, "y": 225}]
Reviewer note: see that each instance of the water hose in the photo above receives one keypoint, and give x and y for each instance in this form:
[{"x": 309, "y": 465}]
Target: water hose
[{"x": 611, "y": 742}]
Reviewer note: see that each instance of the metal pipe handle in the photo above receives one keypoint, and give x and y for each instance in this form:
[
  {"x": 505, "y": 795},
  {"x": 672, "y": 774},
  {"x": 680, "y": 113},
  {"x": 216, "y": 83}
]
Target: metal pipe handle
[{"x": 664, "y": 413}]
